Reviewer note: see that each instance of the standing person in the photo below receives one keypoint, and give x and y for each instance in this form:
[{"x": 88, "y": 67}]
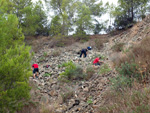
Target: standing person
[
  {"x": 97, "y": 61},
  {"x": 35, "y": 69},
  {"x": 83, "y": 51}
]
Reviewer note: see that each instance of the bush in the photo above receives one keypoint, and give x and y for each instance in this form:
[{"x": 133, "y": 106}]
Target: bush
[
  {"x": 47, "y": 75},
  {"x": 72, "y": 71},
  {"x": 41, "y": 59},
  {"x": 118, "y": 47},
  {"x": 104, "y": 69},
  {"x": 90, "y": 100},
  {"x": 81, "y": 37},
  {"x": 119, "y": 83},
  {"x": 99, "y": 42},
  {"x": 140, "y": 54},
  {"x": 67, "y": 95},
  {"x": 130, "y": 70},
  {"x": 56, "y": 53},
  {"x": 61, "y": 41},
  {"x": 89, "y": 72},
  {"x": 45, "y": 54},
  {"x": 132, "y": 101},
  {"x": 128, "y": 73}
]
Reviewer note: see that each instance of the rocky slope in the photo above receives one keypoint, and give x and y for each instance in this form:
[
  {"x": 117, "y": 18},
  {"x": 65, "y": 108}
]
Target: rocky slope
[
  {"x": 49, "y": 90},
  {"x": 79, "y": 96}
]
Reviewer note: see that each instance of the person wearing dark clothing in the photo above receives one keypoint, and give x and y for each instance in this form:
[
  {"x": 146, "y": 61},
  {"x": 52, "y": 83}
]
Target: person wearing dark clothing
[{"x": 83, "y": 51}]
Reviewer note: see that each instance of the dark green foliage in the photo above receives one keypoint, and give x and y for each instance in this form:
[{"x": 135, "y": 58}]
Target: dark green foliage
[
  {"x": 55, "y": 28},
  {"x": 129, "y": 11},
  {"x": 123, "y": 22},
  {"x": 99, "y": 27},
  {"x": 130, "y": 70},
  {"x": 128, "y": 73},
  {"x": 14, "y": 65},
  {"x": 32, "y": 18},
  {"x": 73, "y": 15}
]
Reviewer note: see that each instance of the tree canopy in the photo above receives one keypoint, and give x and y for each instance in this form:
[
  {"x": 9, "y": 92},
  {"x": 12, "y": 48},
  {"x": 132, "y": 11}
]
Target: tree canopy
[
  {"x": 32, "y": 18},
  {"x": 129, "y": 11},
  {"x": 14, "y": 63},
  {"x": 73, "y": 14}
]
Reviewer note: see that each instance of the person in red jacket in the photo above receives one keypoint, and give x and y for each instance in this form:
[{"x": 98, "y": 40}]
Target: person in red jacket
[
  {"x": 97, "y": 61},
  {"x": 35, "y": 69}
]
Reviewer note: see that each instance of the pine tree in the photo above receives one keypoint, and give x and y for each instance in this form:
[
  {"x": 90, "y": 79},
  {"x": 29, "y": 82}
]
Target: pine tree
[
  {"x": 32, "y": 18},
  {"x": 14, "y": 65},
  {"x": 129, "y": 11}
]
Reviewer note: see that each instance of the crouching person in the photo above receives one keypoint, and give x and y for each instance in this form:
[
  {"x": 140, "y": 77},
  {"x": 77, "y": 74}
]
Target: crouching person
[
  {"x": 97, "y": 61},
  {"x": 84, "y": 51}
]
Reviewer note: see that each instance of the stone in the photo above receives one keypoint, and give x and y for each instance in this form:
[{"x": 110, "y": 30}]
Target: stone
[
  {"x": 53, "y": 93},
  {"x": 86, "y": 89},
  {"x": 44, "y": 98}
]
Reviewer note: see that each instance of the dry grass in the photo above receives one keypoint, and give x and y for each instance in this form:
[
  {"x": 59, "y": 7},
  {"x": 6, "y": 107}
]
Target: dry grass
[
  {"x": 118, "y": 47},
  {"x": 56, "y": 53},
  {"x": 60, "y": 41},
  {"x": 99, "y": 42},
  {"x": 46, "y": 108},
  {"x": 89, "y": 72},
  {"x": 30, "y": 108},
  {"x": 135, "y": 100},
  {"x": 67, "y": 95},
  {"x": 139, "y": 54}
]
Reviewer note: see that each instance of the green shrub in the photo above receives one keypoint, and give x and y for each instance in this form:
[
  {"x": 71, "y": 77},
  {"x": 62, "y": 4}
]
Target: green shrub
[
  {"x": 90, "y": 100},
  {"x": 72, "y": 71},
  {"x": 119, "y": 83},
  {"x": 130, "y": 70},
  {"x": 47, "y": 75},
  {"x": 45, "y": 54},
  {"x": 104, "y": 69},
  {"x": 59, "y": 66}
]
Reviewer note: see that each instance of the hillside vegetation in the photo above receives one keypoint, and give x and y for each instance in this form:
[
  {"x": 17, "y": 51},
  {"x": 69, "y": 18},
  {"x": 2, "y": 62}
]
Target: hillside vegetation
[
  {"x": 68, "y": 83},
  {"x": 71, "y": 84}
]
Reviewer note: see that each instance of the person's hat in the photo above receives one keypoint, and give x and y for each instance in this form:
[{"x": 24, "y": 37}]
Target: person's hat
[{"x": 89, "y": 47}]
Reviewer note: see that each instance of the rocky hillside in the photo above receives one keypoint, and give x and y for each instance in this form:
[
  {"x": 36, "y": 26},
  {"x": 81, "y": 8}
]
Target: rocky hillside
[{"x": 83, "y": 96}]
